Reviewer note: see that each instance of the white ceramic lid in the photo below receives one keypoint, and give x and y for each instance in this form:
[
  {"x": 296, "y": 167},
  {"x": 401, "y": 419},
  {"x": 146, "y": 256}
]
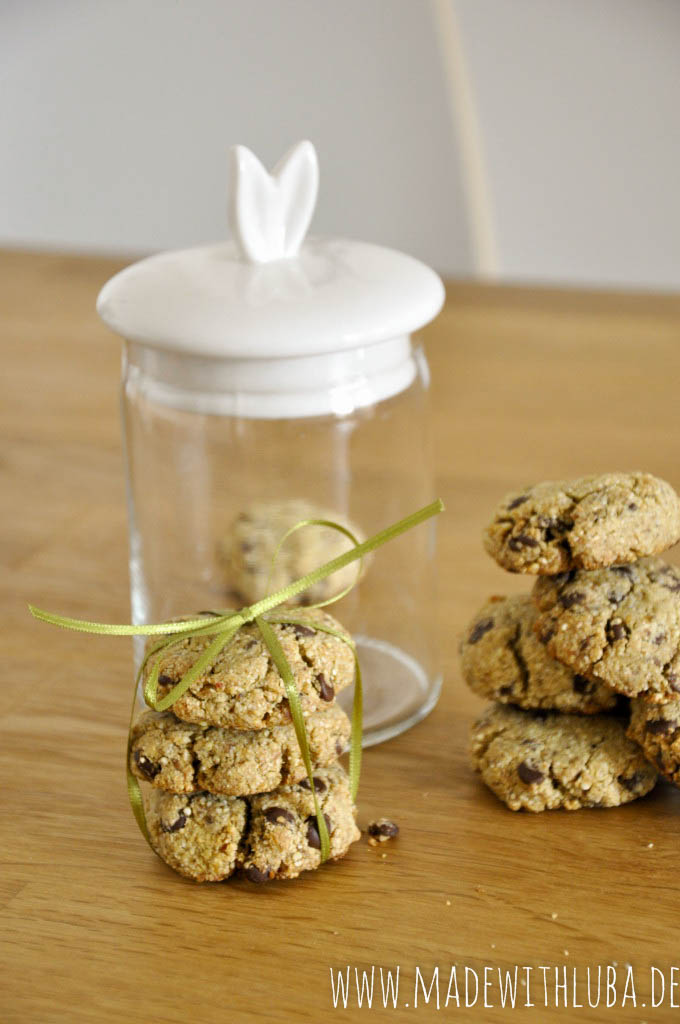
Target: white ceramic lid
[{"x": 269, "y": 293}]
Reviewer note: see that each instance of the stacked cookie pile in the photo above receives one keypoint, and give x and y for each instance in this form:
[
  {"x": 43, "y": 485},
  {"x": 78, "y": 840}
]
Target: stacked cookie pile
[
  {"x": 585, "y": 670},
  {"x": 226, "y": 785}
]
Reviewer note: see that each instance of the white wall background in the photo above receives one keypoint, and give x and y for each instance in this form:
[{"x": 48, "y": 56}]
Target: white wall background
[
  {"x": 525, "y": 139},
  {"x": 120, "y": 112},
  {"x": 578, "y": 104}
]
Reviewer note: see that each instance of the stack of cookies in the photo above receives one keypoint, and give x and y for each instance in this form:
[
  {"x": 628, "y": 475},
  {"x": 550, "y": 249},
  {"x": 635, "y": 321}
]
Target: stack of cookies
[
  {"x": 226, "y": 785},
  {"x": 585, "y": 670}
]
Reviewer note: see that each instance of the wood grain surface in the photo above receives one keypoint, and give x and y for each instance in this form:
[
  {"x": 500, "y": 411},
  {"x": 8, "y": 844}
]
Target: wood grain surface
[{"x": 526, "y": 385}]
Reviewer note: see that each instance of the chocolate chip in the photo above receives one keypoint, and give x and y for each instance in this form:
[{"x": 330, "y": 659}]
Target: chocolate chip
[
  {"x": 522, "y": 540},
  {"x": 277, "y": 815},
  {"x": 667, "y": 577},
  {"x": 313, "y": 832},
  {"x": 384, "y": 827},
  {"x": 632, "y": 507},
  {"x": 165, "y": 680},
  {"x": 254, "y": 874},
  {"x": 313, "y": 839},
  {"x": 616, "y": 631},
  {"x": 660, "y": 638},
  {"x": 554, "y": 527},
  {"x": 572, "y": 598},
  {"x": 319, "y": 784},
  {"x": 479, "y": 630},
  {"x": 528, "y": 774},
  {"x": 660, "y": 726},
  {"x": 631, "y": 783},
  {"x": 581, "y": 685},
  {"x": 326, "y": 691},
  {"x": 149, "y": 769},
  {"x": 284, "y": 707},
  {"x": 518, "y": 501},
  {"x": 547, "y": 636},
  {"x": 528, "y": 542},
  {"x": 504, "y": 691},
  {"x": 339, "y": 748},
  {"x": 623, "y": 570},
  {"x": 301, "y": 631},
  {"x": 176, "y": 825}
]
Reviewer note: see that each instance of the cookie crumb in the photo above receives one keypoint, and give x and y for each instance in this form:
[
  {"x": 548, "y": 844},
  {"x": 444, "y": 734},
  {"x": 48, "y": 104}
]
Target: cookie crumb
[
  {"x": 448, "y": 903},
  {"x": 383, "y": 855},
  {"x": 566, "y": 952},
  {"x": 554, "y": 916},
  {"x": 493, "y": 945},
  {"x": 650, "y": 846},
  {"x": 381, "y": 830}
]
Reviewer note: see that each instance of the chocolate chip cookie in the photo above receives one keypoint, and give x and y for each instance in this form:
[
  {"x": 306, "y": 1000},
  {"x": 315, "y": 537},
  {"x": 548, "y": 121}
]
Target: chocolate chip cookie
[
  {"x": 243, "y": 689},
  {"x": 619, "y": 625},
  {"x": 247, "y": 552},
  {"x": 200, "y": 835},
  {"x": 503, "y": 659},
  {"x": 538, "y": 761},
  {"x": 656, "y": 727},
  {"x": 274, "y": 835},
  {"x": 186, "y": 758},
  {"x": 283, "y": 839},
  {"x": 589, "y": 523}
]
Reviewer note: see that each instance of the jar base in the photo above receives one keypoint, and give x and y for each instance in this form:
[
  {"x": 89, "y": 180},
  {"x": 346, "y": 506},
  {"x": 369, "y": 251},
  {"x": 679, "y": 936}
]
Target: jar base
[{"x": 398, "y": 693}]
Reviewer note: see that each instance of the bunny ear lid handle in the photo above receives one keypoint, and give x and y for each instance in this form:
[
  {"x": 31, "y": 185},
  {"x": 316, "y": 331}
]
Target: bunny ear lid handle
[{"x": 269, "y": 214}]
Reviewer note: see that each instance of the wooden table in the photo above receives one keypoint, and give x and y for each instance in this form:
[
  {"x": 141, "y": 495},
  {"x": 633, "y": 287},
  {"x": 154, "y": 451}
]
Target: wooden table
[{"x": 527, "y": 385}]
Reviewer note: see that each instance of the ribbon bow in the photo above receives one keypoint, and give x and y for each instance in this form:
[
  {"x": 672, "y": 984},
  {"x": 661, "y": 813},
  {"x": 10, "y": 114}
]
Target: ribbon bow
[{"x": 224, "y": 626}]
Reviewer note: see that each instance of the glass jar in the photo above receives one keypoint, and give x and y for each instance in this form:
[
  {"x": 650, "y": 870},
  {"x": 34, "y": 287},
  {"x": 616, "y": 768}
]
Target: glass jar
[{"x": 230, "y": 437}]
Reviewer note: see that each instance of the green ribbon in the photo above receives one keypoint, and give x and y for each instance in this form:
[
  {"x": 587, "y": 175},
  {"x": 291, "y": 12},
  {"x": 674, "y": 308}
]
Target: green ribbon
[{"x": 224, "y": 626}]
